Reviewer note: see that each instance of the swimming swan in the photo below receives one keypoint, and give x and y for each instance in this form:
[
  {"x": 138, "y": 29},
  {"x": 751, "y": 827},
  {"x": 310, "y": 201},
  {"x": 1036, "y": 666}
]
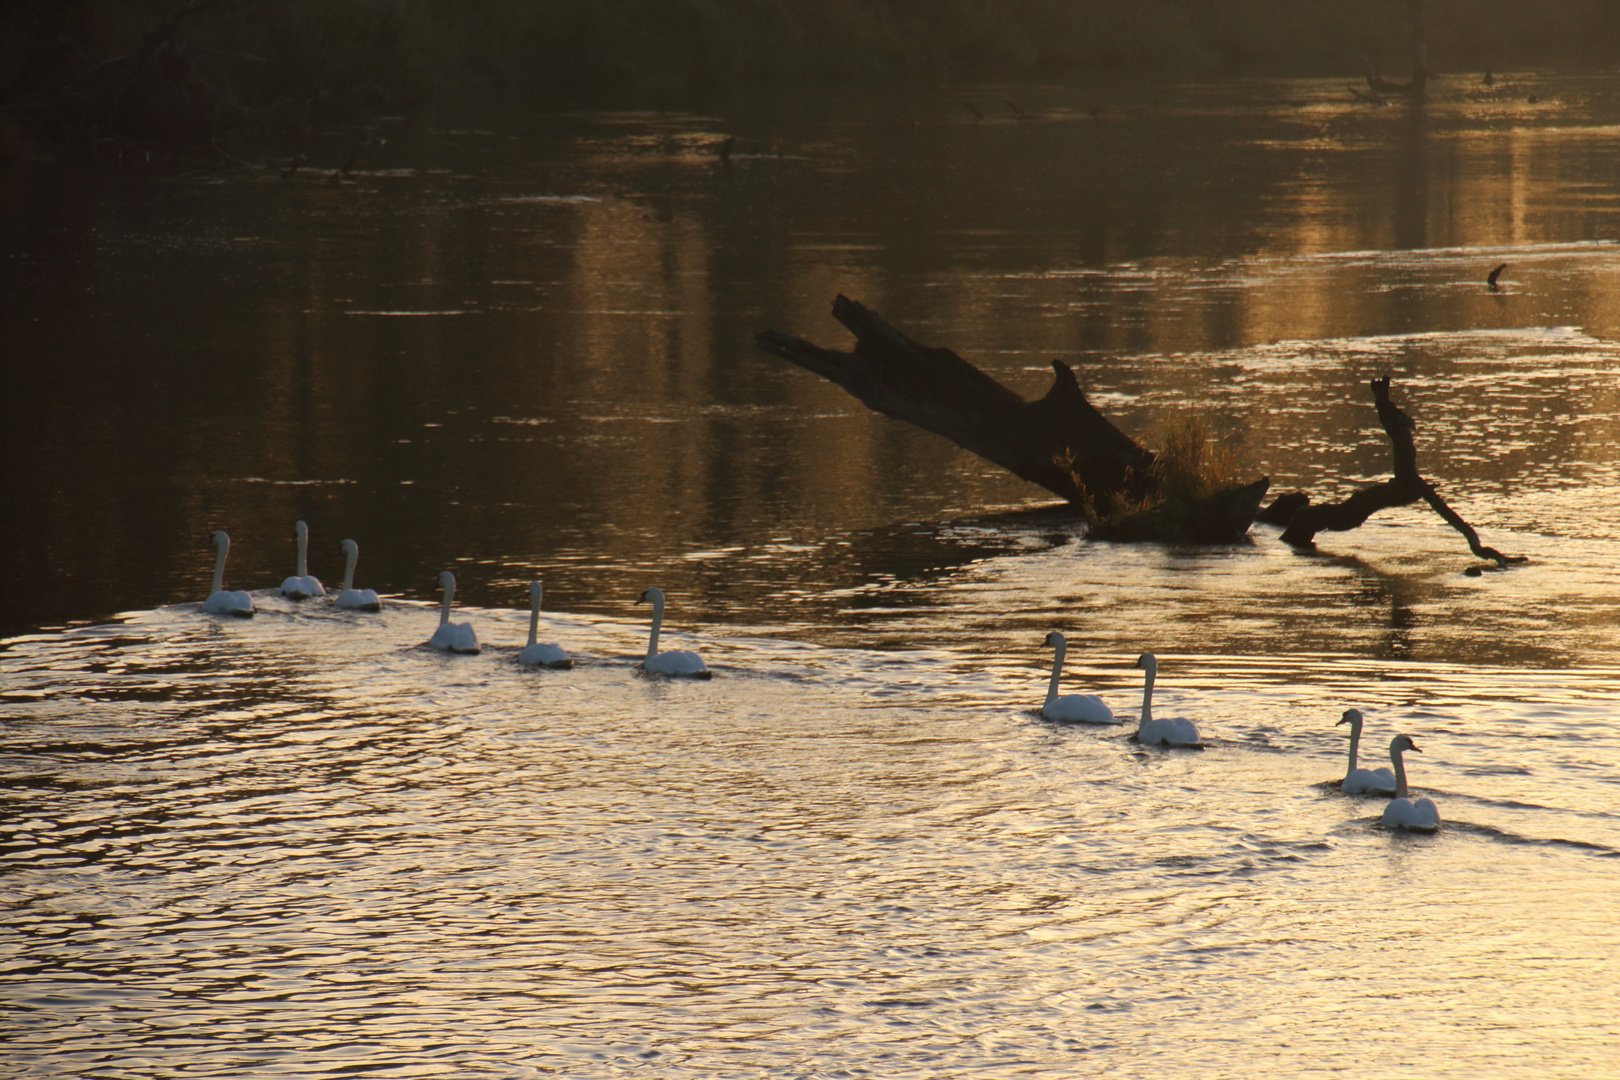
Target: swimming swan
[
  {"x": 1071, "y": 708},
  {"x": 676, "y": 661},
  {"x": 301, "y": 586},
  {"x": 1403, "y": 813},
  {"x": 352, "y": 598},
  {"x": 452, "y": 637},
  {"x": 540, "y": 655},
  {"x": 1362, "y": 781},
  {"x": 1170, "y": 732},
  {"x": 219, "y": 601}
]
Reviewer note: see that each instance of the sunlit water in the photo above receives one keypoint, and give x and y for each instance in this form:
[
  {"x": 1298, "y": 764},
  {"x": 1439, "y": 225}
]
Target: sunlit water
[{"x": 305, "y": 844}]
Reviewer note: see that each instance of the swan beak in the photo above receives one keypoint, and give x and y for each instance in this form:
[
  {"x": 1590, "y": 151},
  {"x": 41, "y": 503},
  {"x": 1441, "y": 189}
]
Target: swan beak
[
  {"x": 1412, "y": 746},
  {"x": 1346, "y": 720}
]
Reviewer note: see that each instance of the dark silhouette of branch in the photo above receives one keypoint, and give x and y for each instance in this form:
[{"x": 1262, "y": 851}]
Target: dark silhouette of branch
[{"x": 1305, "y": 519}]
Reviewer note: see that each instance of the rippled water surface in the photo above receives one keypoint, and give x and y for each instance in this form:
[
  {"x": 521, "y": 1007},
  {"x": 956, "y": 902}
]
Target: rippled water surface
[{"x": 305, "y": 844}]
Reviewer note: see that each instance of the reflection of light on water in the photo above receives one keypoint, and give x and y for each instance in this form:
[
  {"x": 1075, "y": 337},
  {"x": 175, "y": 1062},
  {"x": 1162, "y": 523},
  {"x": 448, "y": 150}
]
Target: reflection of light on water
[{"x": 307, "y": 831}]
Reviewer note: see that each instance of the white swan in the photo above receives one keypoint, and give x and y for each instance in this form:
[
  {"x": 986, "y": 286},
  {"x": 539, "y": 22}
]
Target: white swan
[
  {"x": 676, "y": 661},
  {"x": 534, "y": 653},
  {"x": 452, "y": 637},
  {"x": 1362, "y": 781},
  {"x": 219, "y": 601},
  {"x": 1420, "y": 815},
  {"x": 1170, "y": 732},
  {"x": 301, "y": 586},
  {"x": 352, "y": 598},
  {"x": 1071, "y": 708}
]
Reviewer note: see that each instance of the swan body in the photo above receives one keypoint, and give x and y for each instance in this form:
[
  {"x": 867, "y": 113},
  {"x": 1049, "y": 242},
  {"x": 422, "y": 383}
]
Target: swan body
[
  {"x": 220, "y": 601},
  {"x": 352, "y": 598},
  {"x": 301, "y": 586},
  {"x": 452, "y": 637},
  {"x": 535, "y": 653},
  {"x": 1362, "y": 781},
  {"x": 676, "y": 661},
  {"x": 1172, "y": 731},
  {"x": 1071, "y": 708},
  {"x": 1413, "y": 815}
]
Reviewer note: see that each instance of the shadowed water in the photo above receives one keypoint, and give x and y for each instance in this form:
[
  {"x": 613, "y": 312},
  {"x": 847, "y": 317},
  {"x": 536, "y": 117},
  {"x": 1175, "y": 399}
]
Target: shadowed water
[{"x": 306, "y": 844}]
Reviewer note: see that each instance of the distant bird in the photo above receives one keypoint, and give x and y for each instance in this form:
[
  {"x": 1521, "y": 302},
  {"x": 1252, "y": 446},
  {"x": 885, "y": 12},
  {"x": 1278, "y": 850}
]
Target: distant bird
[
  {"x": 221, "y": 602},
  {"x": 1170, "y": 732},
  {"x": 1489, "y": 79},
  {"x": 1490, "y": 279},
  {"x": 301, "y": 586},
  {"x": 1020, "y": 113},
  {"x": 1071, "y": 708},
  {"x": 1403, "y": 813},
  {"x": 352, "y": 598},
  {"x": 537, "y": 654},
  {"x": 1362, "y": 781},
  {"x": 676, "y": 661},
  {"x": 452, "y": 637}
]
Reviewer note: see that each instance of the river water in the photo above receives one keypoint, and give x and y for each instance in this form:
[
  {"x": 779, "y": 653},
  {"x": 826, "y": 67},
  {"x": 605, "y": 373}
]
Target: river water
[{"x": 520, "y": 346}]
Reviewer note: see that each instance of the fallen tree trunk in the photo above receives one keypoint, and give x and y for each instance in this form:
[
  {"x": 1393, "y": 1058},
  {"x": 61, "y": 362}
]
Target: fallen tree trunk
[
  {"x": 1060, "y": 441},
  {"x": 1303, "y": 519}
]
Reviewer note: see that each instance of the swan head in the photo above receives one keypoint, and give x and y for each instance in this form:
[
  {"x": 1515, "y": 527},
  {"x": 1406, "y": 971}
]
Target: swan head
[
  {"x": 652, "y": 593},
  {"x": 1147, "y": 662},
  {"x": 447, "y": 581},
  {"x": 220, "y": 539},
  {"x": 1403, "y": 742},
  {"x": 301, "y": 530},
  {"x": 349, "y": 547},
  {"x": 1351, "y": 717},
  {"x": 1056, "y": 639}
]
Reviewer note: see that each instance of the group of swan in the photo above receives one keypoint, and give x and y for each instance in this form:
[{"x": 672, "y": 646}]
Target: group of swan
[
  {"x": 301, "y": 586},
  {"x": 1090, "y": 709},
  {"x": 460, "y": 638},
  {"x": 1419, "y": 815},
  {"x": 448, "y": 636}
]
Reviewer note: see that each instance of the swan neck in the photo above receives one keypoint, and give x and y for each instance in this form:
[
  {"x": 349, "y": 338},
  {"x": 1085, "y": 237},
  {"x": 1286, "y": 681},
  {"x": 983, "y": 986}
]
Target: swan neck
[
  {"x": 303, "y": 550},
  {"x": 1147, "y": 699},
  {"x": 1400, "y": 774},
  {"x": 1355, "y": 739},
  {"x": 657, "y": 623},
  {"x": 224, "y": 546},
  {"x": 353, "y": 556},
  {"x": 444, "y": 605},
  {"x": 1057, "y": 669},
  {"x": 534, "y": 616}
]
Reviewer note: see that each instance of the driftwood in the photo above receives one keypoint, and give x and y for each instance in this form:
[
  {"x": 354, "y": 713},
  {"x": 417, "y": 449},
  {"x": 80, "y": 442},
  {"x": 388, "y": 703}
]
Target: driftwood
[
  {"x": 1303, "y": 519},
  {"x": 1060, "y": 441}
]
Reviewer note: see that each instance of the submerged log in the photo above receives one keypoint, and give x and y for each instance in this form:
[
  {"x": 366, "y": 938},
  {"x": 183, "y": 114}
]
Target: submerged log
[
  {"x": 1060, "y": 441},
  {"x": 1304, "y": 519}
]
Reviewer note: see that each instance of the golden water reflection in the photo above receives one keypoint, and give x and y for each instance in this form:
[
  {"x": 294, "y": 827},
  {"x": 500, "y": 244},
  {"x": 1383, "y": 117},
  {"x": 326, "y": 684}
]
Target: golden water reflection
[{"x": 529, "y": 352}]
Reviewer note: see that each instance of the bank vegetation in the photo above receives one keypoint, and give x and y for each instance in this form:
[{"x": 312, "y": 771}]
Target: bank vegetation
[{"x": 141, "y": 75}]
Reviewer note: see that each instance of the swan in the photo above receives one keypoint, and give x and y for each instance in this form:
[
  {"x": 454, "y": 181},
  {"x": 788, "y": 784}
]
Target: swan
[
  {"x": 352, "y": 598},
  {"x": 1071, "y": 708},
  {"x": 1362, "y": 781},
  {"x": 301, "y": 586},
  {"x": 219, "y": 601},
  {"x": 536, "y": 654},
  {"x": 1403, "y": 813},
  {"x": 1169, "y": 732},
  {"x": 676, "y": 661},
  {"x": 452, "y": 637}
]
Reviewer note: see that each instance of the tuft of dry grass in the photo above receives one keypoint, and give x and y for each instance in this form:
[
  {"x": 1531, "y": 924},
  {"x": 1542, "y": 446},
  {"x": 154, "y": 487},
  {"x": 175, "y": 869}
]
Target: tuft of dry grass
[{"x": 1191, "y": 466}]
